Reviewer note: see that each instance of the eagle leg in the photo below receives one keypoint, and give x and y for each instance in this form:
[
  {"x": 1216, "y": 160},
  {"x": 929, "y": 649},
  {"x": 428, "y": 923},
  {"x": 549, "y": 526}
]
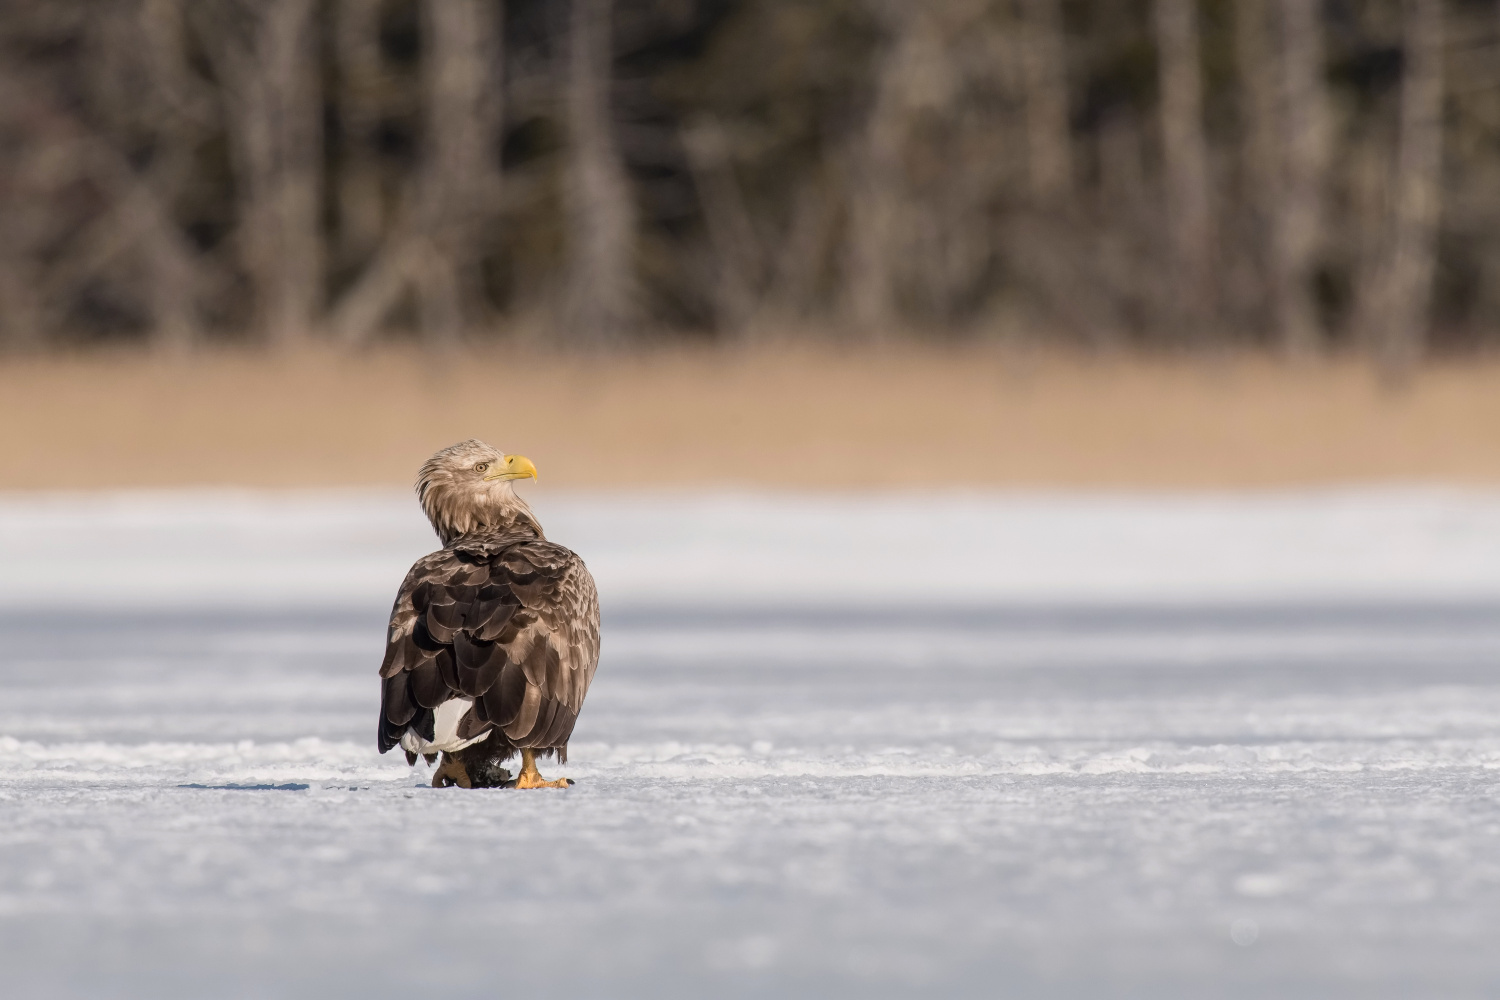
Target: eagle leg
[
  {"x": 531, "y": 778},
  {"x": 451, "y": 772}
]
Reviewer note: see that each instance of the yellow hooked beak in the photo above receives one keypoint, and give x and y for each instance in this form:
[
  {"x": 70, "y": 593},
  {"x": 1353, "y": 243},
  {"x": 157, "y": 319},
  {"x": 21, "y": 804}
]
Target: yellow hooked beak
[{"x": 514, "y": 467}]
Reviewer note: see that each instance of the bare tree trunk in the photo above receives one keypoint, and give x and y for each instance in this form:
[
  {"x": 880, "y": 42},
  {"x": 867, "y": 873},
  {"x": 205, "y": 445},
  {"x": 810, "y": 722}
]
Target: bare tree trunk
[
  {"x": 23, "y": 315},
  {"x": 737, "y": 252},
  {"x": 1126, "y": 243},
  {"x": 432, "y": 250},
  {"x": 1260, "y": 151},
  {"x": 600, "y": 306},
  {"x": 29, "y": 174},
  {"x": 869, "y": 284},
  {"x": 359, "y": 312},
  {"x": 360, "y": 198},
  {"x": 459, "y": 178},
  {"x": 1185, "y": 159},
  {"x": 1397, "y": 293},
  {"x": 1049, "y": 154},
  {"x": 364, "y": 229},
  {"x": 1299, "y": 207},
  {"x": 799, "y": 265},
  {"x": 873, "y": 165},
  {"x": 173, "y": 266},
  {"x": 274, "y": 97},
  {"x": 143, "y": 221}
]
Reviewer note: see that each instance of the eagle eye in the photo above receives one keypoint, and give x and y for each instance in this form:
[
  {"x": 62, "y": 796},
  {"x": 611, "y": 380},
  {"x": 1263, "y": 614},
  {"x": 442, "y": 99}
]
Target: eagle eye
[{"x": 482, "y": 467}]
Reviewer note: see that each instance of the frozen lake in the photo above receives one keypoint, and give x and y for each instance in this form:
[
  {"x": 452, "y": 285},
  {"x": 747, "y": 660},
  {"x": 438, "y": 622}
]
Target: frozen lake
[{"x": 1019, "y": 745}]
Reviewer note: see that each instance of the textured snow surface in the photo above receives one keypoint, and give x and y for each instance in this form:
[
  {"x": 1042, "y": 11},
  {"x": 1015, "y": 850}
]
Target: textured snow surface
[{"x": 1032, "y": 745}]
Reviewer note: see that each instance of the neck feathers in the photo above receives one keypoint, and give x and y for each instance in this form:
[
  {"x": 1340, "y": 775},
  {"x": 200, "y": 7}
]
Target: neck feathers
[{"x": 498, "y": 511}]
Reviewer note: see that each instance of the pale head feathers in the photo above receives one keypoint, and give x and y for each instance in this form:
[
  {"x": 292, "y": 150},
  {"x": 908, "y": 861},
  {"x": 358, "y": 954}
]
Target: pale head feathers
[{"x": 458, "y": 500}]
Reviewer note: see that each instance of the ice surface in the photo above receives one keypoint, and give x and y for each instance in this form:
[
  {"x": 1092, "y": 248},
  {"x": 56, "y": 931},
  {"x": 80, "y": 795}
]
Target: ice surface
[
  {"x": 1025, "y": 745},
  {"x": 150, "y": 549}
]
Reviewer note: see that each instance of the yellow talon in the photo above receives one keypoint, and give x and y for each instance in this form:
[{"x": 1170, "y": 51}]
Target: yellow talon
[
  {"x": 451, "y": 772},
  {"x": 530, "y": 777}
]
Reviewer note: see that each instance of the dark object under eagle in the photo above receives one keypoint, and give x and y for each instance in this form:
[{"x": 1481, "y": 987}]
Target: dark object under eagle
[{"x": 494, "y": 638}]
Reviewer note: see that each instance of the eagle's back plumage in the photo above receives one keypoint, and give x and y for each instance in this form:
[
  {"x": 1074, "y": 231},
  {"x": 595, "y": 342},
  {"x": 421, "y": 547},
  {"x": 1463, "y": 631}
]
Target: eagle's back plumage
[{"x": 504, "y": 618}]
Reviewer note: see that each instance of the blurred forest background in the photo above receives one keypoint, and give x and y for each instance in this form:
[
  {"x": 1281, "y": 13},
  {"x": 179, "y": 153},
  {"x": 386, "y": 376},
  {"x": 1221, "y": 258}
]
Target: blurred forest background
[{"x": 1300, "y": 176}]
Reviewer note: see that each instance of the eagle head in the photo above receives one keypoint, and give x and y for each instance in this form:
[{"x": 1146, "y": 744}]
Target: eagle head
[{"x": 467, "y": 487}]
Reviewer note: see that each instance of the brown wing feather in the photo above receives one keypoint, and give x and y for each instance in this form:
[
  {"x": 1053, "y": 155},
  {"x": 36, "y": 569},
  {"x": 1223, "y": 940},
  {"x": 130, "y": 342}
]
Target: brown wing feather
[{"x": 510, "y": 621}]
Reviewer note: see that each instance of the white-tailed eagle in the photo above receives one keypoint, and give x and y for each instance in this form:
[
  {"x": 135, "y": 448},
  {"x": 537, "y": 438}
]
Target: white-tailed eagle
[{"x": 494, "y": 638}]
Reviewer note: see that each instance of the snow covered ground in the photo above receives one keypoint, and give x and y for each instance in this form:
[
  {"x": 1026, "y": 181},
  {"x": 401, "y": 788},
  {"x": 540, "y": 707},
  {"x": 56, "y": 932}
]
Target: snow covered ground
[{"x": 1018, "y": 745}]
